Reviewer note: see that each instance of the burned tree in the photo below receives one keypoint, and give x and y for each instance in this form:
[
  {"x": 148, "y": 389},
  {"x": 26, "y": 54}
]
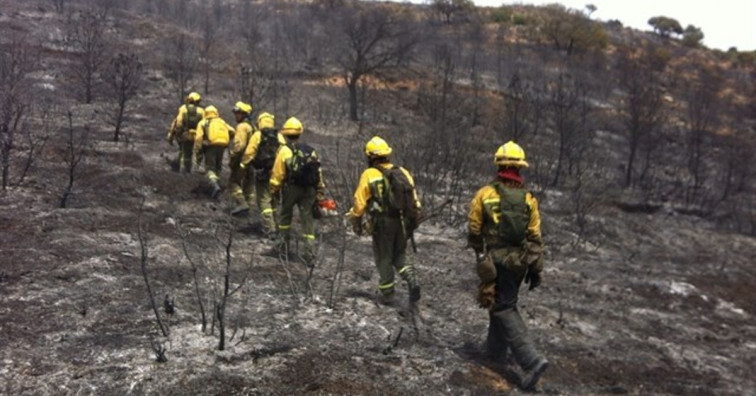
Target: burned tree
[
  {"x": 37, "y": 137},
  {"x": 123, "y": 76},
  {"x": 643, "y": 109},
  {"x": 702, "y": 120},
  {"x": 569, "y": 109},
  {"x": 86, "y": 34},
  {"x": 207, "y": 51},
  {"x": 17, "y": 60},
  {"x": 375, "y": 39},
  {"x": 75, "y": 149},
  {"x": 143, "y": 260},
  {"x": 449, "y": 8},
  {"x": 180, "y": 63},
  {"x": 521, "y": 113}
]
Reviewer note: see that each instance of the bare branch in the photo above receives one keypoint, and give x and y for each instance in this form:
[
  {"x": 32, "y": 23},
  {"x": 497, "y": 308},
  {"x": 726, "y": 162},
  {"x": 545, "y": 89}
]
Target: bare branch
[
  {"x": 195, "y": 269},
  {"x": 143, "y": 246}
]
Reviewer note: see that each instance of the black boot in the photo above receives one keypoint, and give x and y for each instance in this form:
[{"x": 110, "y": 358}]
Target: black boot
[
  {"x": 240, "y": 210},
  {"x": 533, "y": 374},
  {"x": 496, "y": 346},
  {"x": 414, "y": 292},
  {"x": 215, "y": 190},
  {"x": 516, "y": 335}
]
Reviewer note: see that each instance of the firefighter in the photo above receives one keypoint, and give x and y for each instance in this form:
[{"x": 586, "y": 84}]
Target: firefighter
[
  {"x": 260, "y": 155},
  {"x": 391, "y": 222},
  {"x": 241, "y": 182},
  {"x": 297, "y": 175},
  {"x": 504, "y": 229},
  {"x": 183, "y": 130},
  {"x": 214, "y": 135}
]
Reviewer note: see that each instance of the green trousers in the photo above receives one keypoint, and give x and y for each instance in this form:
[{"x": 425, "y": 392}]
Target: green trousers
[
  {"x": 264, "y": 201},
  {"x": 303, "y": 198},
  {"x": 185, "y": 149},
  {"x": 390, "y": 252},
  {"x": 214, "y": 163},
  {"x": 241, "y": 183}
]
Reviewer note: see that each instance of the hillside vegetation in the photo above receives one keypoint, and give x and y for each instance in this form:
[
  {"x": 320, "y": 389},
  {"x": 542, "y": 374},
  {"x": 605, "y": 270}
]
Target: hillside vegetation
[{"x": 641, "y": 146}]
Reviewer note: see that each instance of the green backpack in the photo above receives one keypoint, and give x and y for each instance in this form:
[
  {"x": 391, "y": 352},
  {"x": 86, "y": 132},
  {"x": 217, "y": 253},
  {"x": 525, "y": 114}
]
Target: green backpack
[
  {"x": 305, "y": 165},
  {"x": 399, "y": 196},
  {"x": 514, "y": 214},
  {"x": 267, "y": 150},
  {"x": 193, "y": 117}
]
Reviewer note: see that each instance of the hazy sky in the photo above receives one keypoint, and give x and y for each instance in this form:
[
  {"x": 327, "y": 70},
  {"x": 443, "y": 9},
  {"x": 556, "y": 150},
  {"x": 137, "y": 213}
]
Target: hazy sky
[{"x": 725, "y": 23}]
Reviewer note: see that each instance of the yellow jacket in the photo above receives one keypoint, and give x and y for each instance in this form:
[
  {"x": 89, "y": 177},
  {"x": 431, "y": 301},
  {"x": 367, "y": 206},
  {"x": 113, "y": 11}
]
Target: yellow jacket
[
  {"x": 177, "y": 126},
  {"x": 254, "y": 143},
  {"x": 219, "y": 132},
  {"x": 281, "y": 166},
  {"x": 241, "y": 138},
  {"x": 371, "y": 186},
  {"x": 484, "y": 210}
]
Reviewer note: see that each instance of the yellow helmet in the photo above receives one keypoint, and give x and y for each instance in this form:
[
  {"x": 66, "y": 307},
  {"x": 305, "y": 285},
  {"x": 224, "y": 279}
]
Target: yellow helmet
[
  {"x": 292, "y": 127},
  {"x": 510, "y": 154},
  {"x": 266, "y": 120},
  {"x": 193, "y": 97},
  {"x": 377, "y": 147},
  {"x": 241, "y": 107},
  {"x": 211, "y": 112}
]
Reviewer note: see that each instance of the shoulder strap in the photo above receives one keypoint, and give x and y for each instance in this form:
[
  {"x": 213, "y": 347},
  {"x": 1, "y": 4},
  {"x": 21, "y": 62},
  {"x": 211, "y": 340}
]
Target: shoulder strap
[
  {"x": 383, "y": 170},
  {"x": 252, "y": 132},
  {"x": 206, "y": 129}
]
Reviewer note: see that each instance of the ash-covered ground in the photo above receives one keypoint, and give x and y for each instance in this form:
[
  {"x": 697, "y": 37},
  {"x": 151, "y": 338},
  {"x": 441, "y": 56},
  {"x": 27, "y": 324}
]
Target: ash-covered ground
[{"x": 657, "y": 304}]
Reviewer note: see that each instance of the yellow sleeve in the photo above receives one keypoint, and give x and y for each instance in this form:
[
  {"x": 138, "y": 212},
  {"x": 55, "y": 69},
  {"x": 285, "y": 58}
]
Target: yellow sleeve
[
  {"x": 231, "y": 130},
  {"x": 362, "y": 194},
  {"x": 198, "y": 136},
  {"x": 475, "y": 216},
  {"x": 172, "y": 130},
  {"x": 414, "y": 188},
  {"x": 240, "y": 138},
  {"x": 180, "y": 116},
  {"x": 251, "y": 152},
  {"x": 279, "y": 168},
  {"x": 534, "y": 226},
  {"x": 179, "y": 120}
]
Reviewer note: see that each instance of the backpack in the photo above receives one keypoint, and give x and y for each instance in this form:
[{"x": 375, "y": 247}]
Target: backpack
[
  {"x": 192, "y": 118},
  {"x": 514, "y": 214},
  {"x": 305, "y": 166},
  {"x": 215, "y": 135},
  {"x": 267, "y": 150},
  {"x": 399, "y": 197}
]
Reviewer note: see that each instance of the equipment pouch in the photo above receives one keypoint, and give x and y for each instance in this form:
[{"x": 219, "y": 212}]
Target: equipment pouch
[
  {"x": 187, "y": 136},
  {"x": 486, "y": 268},
  {"x": 509, "y": 258}
]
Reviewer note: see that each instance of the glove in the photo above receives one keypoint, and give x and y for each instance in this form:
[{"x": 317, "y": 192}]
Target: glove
[
  {"x": 475, "y": 241},
  {"x": 242, "y": 165},
  {"x": 486, "y": 294},
  {"x": 534, "y": 279},
  {"x": 169, "y": 139},
  {"x": 355, "y": 222}
]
